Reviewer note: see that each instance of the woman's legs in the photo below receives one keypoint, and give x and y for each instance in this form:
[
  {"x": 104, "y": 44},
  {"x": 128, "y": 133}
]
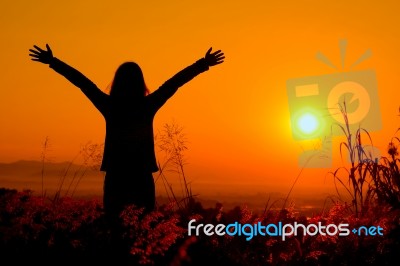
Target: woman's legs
[{"x": 122, "y": 189}]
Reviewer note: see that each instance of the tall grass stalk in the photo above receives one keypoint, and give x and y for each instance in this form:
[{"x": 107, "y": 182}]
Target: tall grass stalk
[
  {"x": 386, "y": 176},
  {"x": 317, "y": 153},
  {"x": 43, "y": 159},
  {"x": 173, "y": 143},
  {"x": 359, "y": 179},
  {"x": 91, "y": 155}
]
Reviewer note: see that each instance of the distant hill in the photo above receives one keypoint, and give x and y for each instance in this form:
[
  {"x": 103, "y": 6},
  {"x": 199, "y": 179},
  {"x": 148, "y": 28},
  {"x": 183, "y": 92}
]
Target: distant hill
[
  {"x": 25, "y": 174},
  {"x": 32, "y": 168}
]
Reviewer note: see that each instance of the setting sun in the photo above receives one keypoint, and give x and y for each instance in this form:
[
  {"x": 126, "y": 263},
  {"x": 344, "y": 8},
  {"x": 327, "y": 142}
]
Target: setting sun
[{"x": 308, "y": 123}]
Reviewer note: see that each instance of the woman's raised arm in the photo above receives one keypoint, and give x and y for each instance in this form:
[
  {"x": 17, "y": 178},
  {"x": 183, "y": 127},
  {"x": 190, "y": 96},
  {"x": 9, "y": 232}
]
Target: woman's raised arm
[
  {"x": 95, "y": 95},
  {"x": 160, "y": 96}
]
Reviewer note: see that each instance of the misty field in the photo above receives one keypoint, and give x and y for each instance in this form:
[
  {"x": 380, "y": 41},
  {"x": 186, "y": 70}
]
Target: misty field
[{"x": 61, "y": 229}]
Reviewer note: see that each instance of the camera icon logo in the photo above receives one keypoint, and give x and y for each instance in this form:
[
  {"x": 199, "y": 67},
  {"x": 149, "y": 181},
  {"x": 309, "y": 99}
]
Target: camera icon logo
[{"x": 314, "y": 105}]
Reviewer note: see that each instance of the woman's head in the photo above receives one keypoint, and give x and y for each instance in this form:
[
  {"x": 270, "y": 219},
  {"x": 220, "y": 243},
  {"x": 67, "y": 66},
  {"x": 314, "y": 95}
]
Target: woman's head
[{"x": 128, "y": 82}]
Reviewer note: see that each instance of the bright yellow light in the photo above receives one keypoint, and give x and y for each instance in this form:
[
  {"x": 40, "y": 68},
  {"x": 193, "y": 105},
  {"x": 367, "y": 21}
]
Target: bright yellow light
[{"x": 307, "y": 123}]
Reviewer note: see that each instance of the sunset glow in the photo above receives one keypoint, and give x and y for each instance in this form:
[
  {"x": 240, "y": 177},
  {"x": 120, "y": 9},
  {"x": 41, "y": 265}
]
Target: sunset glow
[
  {"x": 308, "y": 123},
  {"x": 235, "y": 117}
]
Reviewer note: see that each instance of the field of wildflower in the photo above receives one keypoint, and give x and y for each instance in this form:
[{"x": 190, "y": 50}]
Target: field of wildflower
[
  {"x": 75, "y": 230},
  {"x": 37, "y": 229}
]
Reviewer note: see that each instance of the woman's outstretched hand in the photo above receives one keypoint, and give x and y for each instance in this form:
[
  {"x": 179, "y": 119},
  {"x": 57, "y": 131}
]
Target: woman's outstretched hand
[
  {"x": 215, "y": 58},
  {"x": 41, "y": 55}
]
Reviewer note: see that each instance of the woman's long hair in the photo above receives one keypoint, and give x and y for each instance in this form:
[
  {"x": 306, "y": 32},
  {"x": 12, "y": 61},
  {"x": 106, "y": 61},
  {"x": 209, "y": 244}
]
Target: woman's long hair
[{"x": 128, "y": 83}]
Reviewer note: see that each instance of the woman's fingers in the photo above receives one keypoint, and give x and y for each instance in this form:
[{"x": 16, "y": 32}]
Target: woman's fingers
[
  {"x": 219, "y": 56},
  {"x": 34, "y": 51},
  {"x": 216, "y": 52},
  {"x": 38, "y": 48}
]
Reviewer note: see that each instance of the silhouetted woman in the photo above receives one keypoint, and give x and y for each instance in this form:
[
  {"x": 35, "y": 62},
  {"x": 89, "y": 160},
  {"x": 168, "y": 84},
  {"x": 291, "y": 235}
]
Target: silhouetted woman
[{"x": 129, "y": 109}]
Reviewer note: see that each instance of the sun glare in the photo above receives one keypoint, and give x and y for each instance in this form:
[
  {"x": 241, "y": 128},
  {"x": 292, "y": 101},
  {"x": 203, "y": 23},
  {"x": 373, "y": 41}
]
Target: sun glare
[{"x": 308, "y": 123}]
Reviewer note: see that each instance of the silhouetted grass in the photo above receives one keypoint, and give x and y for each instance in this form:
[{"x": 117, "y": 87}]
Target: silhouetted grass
[
  {"x": 172, "y": 142},
  {"x": 368, "y": 179},
  {"x": 90, "y": 155},
  {"x": 37, "y": 230},
  {"x": 68, "y": 231}
]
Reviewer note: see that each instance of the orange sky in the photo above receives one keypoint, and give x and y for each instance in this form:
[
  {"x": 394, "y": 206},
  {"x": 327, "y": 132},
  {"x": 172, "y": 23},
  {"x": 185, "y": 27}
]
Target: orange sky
[{"x": 235, "y": 116}]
